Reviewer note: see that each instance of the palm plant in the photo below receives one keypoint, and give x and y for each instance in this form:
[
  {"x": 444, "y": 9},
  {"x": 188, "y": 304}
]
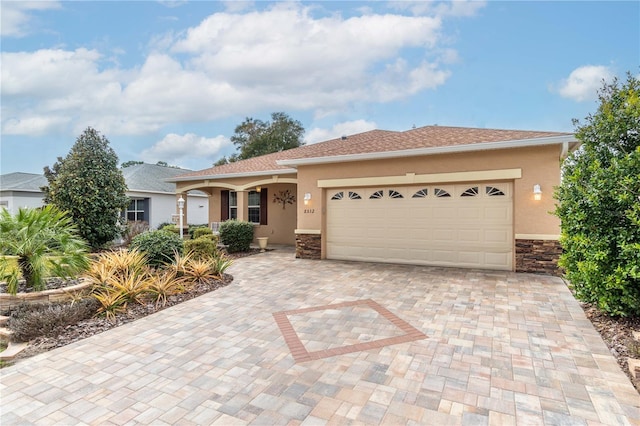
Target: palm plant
[{"x": 45, "y": 241}]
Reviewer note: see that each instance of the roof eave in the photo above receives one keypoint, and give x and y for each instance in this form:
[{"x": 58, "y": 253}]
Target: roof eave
[
  {"x": 519, "y": 143},
  {"x": 234, "y": 175}
]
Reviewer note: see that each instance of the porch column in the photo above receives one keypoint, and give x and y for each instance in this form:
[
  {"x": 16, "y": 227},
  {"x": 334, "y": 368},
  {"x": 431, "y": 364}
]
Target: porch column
[{"x": 243, "y": 203}]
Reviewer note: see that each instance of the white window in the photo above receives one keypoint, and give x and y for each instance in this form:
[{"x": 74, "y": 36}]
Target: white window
[
  {"x": 254, "y": 207},
  {"x": 233, "y": 205}
]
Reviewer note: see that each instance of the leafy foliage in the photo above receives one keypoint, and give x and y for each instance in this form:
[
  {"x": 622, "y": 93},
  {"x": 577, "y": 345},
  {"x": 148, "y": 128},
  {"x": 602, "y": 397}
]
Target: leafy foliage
[
  {"x": 599, "y": 203},
  {"x": 236, "y": 235},
  {"x": 45, "y": 241},
  {"x": 197, "y": 231},
  {"x": 159, "y": 246},
  {"x": 30, "y": 321},
  {"x": 202, "y": 247},
  {"x": 89, "y": 184},
  {"x": 256, "y": 137},
  {"x": 131, "y": 163}
]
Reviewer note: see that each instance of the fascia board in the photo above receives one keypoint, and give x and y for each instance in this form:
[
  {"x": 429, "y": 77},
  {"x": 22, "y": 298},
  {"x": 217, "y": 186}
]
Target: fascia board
[{"x": 233, "y": 175}]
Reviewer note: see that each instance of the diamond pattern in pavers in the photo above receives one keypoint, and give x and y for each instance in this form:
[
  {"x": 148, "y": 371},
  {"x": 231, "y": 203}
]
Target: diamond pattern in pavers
[
  {"x": 326, "y": 331},
  {"x": 502, "y": 348}
]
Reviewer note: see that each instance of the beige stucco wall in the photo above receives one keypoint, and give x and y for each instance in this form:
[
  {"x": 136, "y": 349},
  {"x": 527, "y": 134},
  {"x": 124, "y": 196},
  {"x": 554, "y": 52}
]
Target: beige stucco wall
[
  {"x": 281, "y": 222},
  {"x": 539, "y": 165}
]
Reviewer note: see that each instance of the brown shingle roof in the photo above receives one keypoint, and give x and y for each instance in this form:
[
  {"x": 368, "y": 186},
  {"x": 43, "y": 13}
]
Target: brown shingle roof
[{"x": 375, "y": 141}]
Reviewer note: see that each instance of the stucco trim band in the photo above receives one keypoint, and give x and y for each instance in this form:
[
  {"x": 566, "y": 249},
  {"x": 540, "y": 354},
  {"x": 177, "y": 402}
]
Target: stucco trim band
[
  {"x": 308, "y": 231},
  {"x": 551, "y": 237},
  {"x": 412, "y": 178}
]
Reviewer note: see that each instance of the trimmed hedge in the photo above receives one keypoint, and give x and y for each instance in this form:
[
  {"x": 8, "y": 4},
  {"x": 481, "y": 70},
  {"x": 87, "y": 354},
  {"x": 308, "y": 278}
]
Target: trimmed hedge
[
  {"x": 200, "y": 232},
  {"x": 159, "y": 246},
  {"x": 202, "y": 248},
  {"x": 236, "y": 235}
]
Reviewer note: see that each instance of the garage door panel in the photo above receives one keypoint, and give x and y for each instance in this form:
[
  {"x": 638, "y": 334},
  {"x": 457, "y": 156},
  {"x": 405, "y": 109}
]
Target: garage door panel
[{"x": 474, "y": 230}]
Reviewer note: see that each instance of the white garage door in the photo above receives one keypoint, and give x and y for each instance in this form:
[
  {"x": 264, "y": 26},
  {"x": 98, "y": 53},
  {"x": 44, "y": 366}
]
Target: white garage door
[{"x": 462, "y": 225}]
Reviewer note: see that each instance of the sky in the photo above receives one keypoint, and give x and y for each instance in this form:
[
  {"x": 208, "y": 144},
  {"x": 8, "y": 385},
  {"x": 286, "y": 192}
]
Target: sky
[{"x": 170, "y": 80}]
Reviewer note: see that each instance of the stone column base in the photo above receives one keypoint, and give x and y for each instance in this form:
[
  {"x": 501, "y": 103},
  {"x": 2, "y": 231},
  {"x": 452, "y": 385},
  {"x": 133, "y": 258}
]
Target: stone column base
[
  {"x": 538, "y": 256},
  {"x": 308, "y": 246}
]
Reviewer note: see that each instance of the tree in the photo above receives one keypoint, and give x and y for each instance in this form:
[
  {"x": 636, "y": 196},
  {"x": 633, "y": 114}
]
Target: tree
[
  {"x": 599, "y": 203},
  {"x": 88, "y": 184},
  {"x": 130, "y": 163},
  {"x": 45, "y": 241},
  {"x": 254, "y": 137}
]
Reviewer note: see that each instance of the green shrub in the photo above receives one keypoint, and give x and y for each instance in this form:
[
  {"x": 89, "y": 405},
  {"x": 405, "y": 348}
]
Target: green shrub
[
  {"x": 194, "y": 229},
  {"x": 159, "y": 246},
  {"x": 170, "y": 228},
  {"x": 598, "y": 204},
  {"x": 46, "y": 243},
  {"x": 30, "y": 321},
  {"x": 236, "y": 235},
  {"x": 200, "y": 232},
  {"x": 202, "y": 247},
  {"x": 163, "y": 224}
]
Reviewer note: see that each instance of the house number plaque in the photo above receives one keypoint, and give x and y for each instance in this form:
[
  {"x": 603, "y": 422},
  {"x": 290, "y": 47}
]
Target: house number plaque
[{"x": 309, "y": 210}]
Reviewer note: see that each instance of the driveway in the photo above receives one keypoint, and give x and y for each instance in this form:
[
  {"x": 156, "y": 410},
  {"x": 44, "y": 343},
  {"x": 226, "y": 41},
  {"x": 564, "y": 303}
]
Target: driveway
[{"x": 314, "y": 342}]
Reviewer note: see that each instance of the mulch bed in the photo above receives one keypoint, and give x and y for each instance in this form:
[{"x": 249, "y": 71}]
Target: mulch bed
[
  {"x": 617, "y": 334},
  {"x": 96, "y": 325}
]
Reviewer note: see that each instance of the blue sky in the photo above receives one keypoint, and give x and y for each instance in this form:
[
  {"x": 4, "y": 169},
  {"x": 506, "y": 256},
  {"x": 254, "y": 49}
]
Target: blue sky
[{"x": 170, "y": 80}]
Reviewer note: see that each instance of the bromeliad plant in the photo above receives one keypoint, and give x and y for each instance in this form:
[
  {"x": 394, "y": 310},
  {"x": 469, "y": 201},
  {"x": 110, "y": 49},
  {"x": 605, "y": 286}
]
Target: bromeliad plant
[{"x": 45, "y": 242}]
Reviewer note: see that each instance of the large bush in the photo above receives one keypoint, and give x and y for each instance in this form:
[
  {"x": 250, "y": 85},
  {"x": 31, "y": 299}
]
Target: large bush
[
  {"x": 599, "y": 204},
  {"x": 88, "y": 184},
  {"x": 159, "y": 246},
  {"x": 45, "y": 242},
  {"x": 236, "y": 235}
]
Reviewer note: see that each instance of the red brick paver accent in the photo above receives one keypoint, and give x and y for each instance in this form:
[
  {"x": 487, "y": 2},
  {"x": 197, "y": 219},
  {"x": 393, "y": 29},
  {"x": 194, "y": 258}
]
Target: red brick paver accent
[{"x": 300, "y": 352}]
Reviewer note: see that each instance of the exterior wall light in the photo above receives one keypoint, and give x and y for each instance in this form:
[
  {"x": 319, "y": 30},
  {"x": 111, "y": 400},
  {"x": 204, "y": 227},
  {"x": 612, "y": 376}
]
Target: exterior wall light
[
  {"x": 258, "y": 188},
  {"x": 307, "y": 198},
  {"x": 537, "y": 192}
]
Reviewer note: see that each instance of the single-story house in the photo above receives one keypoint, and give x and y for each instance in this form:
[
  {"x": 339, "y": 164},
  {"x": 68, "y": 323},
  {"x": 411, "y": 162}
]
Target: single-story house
[
  {"x": 435, "y": 195},
  {"x": 153, "y": 199}
]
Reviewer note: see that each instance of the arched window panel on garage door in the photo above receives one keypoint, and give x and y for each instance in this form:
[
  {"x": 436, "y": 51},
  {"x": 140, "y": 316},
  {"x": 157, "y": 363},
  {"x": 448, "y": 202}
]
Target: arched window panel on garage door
[
  {"x": 354, "y": 196},
  {"x": 376, "y": 195},
  {"x": 492, "y": 191},
  {"x": 394, "y": 194},
  {"x": 421, "y": 193},
  {"x": 338, "y": 196},
  {"x": 470, "y": 192},
  {"x": 441, "y": 193}
]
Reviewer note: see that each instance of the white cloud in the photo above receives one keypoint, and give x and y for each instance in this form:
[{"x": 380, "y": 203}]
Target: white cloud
[
  {"x": 16, "y": 16},
  {"x": 583, "y": 82},
  {"x": 288, "y": 57},
  {"x": 182, "y": 149},
  {"x": 463, "y": 8},
  {"x": 346, "y": 128}
]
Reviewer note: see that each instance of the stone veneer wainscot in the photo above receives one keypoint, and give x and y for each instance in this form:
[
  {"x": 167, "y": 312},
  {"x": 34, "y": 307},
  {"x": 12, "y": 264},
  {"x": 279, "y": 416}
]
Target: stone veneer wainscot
[
  {"x": 308, "y": 246},
  {"x": 538, "y": 256}
]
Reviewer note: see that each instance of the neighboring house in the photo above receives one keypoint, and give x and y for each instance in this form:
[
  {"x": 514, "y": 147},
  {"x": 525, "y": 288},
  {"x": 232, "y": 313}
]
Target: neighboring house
[
  {"x": 435, "y": 195},
  {"x": 21, "y": 190},
  {"x": 152, "y": 198}
]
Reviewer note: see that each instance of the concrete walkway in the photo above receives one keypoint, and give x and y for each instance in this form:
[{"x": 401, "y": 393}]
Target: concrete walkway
[{"x": 321, "y": 342}]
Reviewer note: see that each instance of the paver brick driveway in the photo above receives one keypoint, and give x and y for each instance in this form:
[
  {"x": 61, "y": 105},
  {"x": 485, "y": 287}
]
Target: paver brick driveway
[{"x": 294, "y": 341}]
